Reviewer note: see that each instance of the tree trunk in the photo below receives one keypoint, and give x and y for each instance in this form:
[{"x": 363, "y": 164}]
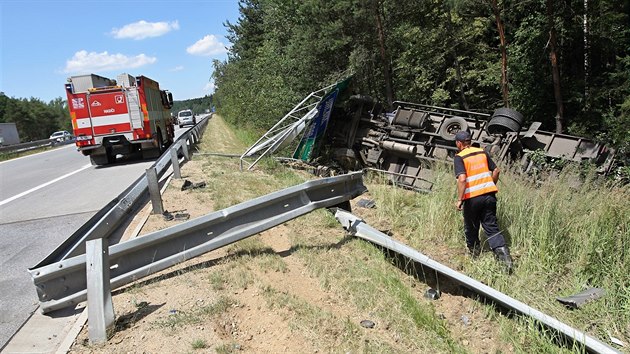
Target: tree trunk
[
  {"x": 384, "y": 56},
  {"x": 501, "y": 29},
  {"x": 555, "y": 72},
  {"x": 587, "y": 64},
  {"x": 458, "y": 69}
]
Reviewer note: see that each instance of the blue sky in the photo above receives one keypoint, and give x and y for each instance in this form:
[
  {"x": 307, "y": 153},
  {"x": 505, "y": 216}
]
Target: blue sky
[{"x": 44, "y": 42}]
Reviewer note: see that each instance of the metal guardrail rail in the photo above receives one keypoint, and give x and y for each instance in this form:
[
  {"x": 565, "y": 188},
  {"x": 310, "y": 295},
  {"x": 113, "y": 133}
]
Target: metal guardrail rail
[
  {"x": 64, "y": 283},
  {"x": 106, "y": 220},
  {"x": 357, "y": 227},
  {"x": 30, "y": 146}
]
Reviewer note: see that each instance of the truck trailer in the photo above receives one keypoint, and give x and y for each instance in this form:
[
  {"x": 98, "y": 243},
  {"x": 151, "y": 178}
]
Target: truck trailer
[{"x": 119, "y": 117}]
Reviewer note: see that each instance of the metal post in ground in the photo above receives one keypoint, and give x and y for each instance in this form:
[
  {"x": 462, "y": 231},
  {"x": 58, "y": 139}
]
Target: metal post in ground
[
  {"x": 177, "y": 173},
  {"x": 154, "y": 191},
  {"x": 99, "y": 294},
  {"x": 185, "y": 149}
]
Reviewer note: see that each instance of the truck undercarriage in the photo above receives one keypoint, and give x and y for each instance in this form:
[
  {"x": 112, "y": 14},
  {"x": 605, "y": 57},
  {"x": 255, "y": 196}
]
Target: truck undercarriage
[{"x": 357, "y": 133}]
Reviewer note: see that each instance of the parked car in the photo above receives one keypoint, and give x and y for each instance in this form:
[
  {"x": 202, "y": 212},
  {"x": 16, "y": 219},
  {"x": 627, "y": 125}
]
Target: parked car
[
  {"x": 60, "y": 136},
  {"x": 186, "y": 117}
]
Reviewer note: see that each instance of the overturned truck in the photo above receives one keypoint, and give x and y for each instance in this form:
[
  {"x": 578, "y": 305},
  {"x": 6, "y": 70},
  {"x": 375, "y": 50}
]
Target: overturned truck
[{"x": 356, "y": 133}]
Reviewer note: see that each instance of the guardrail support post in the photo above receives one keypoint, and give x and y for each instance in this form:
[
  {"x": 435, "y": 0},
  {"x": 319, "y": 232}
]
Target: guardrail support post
[
  {"x": 99, "y": 293},
  {"x": 177, "y": 173},
  {"x": 185, "y": 149},
  {"x": 154, "y": 191}
]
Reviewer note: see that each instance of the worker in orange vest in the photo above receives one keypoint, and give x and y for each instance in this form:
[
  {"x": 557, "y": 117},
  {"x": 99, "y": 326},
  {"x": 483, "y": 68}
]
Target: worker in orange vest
[{"x": 477, "y": 177}]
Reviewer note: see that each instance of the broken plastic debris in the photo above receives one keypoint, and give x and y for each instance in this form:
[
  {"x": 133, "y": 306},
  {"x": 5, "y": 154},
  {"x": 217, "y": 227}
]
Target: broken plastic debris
[
  {"x": 616, "y": 341},
  {"x": 367, "y": 324},
  {"x": 167, "y": 216},
  {"x": 366, "y": 203},
  {"x": 189, "y": 185},
  {"x": 432, "y": 294},
  {"x": 182, "y": 216},
  {"x": 577, "y": 300}
]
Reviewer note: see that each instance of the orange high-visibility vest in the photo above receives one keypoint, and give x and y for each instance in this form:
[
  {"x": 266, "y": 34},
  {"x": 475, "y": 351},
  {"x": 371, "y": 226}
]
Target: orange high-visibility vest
[{"x": 478, "y": 175}]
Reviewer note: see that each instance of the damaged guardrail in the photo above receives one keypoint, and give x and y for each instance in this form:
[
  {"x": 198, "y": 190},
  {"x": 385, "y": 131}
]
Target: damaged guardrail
[
  {"x": 64, "y": 283},
  {"x": 357, "y": 227}
]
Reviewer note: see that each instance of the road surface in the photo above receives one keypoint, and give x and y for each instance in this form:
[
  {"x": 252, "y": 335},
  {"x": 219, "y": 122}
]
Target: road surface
[{"x": 44, "y": 198}]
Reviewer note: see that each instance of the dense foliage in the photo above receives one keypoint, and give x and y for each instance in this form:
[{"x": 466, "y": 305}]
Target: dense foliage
[
  {"x": 34, "y": 118},
  {"x": 567, "y": 62}
]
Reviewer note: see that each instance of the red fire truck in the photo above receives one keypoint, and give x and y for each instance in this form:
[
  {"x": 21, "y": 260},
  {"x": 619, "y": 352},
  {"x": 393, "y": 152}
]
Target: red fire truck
[{"x": 122, "y": 116}]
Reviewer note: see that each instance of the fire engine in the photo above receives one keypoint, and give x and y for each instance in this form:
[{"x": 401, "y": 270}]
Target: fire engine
[{"x": 122, "y": 116}]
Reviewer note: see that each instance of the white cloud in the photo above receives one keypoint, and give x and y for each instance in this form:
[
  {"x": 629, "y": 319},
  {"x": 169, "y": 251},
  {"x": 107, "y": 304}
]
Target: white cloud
[
  {"x": 209, "y": 87},
  {"x": 83, "y": 62},
  {"x": 177, "y": 68},
  {"x": 143, "y": 29},
  {"x": 207, "y": 46}
]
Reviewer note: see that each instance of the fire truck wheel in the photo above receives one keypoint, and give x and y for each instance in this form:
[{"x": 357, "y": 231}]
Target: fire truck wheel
[
  {"x": 451, "y": 126},
  {"x": 99, "y": 159}
]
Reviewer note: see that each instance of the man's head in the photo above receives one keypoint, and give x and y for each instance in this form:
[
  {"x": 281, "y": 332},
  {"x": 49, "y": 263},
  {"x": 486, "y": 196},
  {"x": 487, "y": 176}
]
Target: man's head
[{"x": 462, "y": 139}]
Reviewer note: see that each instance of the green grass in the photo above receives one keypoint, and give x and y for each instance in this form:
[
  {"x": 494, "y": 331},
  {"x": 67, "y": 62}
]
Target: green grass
[
  {"x": 199, "y": 344},
  {"x": 179, "y": 320},
  {"x": 565, "y": 237}
]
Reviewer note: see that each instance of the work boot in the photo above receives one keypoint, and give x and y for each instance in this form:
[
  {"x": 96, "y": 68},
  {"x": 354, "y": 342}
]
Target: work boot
[{"x": 503, "y": 254}]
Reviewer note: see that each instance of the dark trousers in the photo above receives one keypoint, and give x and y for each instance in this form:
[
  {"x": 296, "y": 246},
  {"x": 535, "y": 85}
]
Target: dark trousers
[{"x": 482, "y": 210}]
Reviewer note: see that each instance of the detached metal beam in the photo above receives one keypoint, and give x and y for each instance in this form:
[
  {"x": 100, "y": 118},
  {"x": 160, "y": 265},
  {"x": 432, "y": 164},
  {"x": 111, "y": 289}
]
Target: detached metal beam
[
  {"x": 63, "y": 283},
  {"x": 357, "y": 227}
]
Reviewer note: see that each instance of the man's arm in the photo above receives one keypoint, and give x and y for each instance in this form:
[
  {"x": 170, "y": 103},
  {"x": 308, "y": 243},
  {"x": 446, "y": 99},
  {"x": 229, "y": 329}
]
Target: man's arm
[
  {"x": 495, "y": 175},
  {"x": 493, "y": 167},
  {"x": 461, "y": 188}
]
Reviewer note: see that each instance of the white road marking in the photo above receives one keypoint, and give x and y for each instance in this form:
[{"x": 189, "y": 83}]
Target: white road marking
[{"x": 43, "y": 185}]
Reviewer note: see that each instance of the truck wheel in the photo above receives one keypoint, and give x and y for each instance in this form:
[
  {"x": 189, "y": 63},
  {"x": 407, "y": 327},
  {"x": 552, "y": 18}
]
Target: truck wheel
[
  {"x": 505, "y": 120},
  {"x": 451, "y": 126},
  {"x": 99, "y": 159}
]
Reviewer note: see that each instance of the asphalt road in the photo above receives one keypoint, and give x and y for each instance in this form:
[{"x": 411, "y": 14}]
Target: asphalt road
[{"x": 44, "y": 198}]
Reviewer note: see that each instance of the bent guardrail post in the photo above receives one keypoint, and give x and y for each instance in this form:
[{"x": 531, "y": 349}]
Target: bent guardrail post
[
  {"x": 357, "y": 227},
  {"x": 177, "y": 172},
  {"x": 100, "y": 306},
  {"x": 63, "y": 284},
  {"x": 154, "y": 191}
]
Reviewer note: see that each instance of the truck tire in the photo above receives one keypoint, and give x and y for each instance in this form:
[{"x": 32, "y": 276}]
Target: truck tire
[
  {"x": 99, "y": 159},
  {"x": 505, "y": 120},
  {"x": 451, "y": 126}
]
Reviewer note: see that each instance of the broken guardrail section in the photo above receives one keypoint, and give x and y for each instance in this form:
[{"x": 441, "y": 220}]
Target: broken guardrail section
[
  {"x": 63, "y": 283},
  {"x": 357, "y": 227}
]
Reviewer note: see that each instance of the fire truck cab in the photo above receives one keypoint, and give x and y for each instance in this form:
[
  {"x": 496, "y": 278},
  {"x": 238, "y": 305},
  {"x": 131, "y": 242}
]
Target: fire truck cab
[{"x": 119, "y": 117}]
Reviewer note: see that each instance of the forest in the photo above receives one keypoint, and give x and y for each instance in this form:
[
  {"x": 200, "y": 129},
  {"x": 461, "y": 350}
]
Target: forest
[
  {"x": 565, "y": 63},
  {"x": 34, "y": 118}
]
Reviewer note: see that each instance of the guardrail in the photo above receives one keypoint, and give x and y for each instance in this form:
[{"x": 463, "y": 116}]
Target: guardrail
[
  {"x": 63, "y": 283},
  {"x": 25, "y": 146},
  {"x": 357, "y": 227},
  {"x": 106, "y": 221}
]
